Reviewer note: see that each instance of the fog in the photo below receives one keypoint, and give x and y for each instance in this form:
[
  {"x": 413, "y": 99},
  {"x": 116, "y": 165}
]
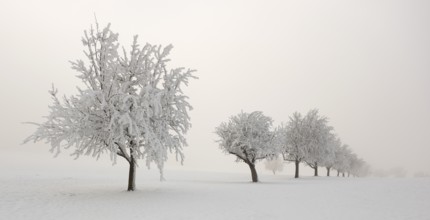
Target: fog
[{"x": 364, "y": 64}]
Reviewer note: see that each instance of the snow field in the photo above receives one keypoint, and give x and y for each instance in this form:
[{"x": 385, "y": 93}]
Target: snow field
[{"x": 198, "y": 195}]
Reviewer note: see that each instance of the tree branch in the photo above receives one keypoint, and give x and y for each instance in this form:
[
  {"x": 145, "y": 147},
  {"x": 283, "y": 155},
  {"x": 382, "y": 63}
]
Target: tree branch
[
  {"x": 238, "y": 156},
  {"x": 310, "y": 164},
  {"x": 122, "y": 152}
]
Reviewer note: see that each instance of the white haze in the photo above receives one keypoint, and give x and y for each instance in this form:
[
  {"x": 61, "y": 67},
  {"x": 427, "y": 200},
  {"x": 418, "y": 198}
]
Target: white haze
[{"x": 364, "y": 64}]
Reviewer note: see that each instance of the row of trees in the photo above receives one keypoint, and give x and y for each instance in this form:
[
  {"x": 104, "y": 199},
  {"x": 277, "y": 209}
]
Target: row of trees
[
  {"x": 132, "y": 106},
  {"x": 307, "y": 139}
]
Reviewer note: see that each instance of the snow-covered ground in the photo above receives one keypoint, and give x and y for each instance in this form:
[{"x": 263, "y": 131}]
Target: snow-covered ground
[{"x": 210, "y": 195}]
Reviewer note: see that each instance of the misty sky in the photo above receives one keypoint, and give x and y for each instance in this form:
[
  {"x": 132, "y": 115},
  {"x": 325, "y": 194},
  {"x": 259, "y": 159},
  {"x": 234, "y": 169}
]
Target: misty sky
[{"x": 364, "y": 64}]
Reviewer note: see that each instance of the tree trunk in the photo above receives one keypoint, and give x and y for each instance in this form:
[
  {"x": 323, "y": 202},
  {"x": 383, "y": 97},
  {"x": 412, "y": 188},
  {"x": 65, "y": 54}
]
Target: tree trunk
[
  {"x": 316, "y": 169},
  {"x": 338, "y": 173},
  {"x": 131, "y": 172},
  {"x": 253, "y": 172},
  {"x": 296, "y": 175},
  {"x": 343, "y": 174},
  {"x": 328, "y": 171},
  {"x": 348, "y": 174},
  {"x": 132, "y": 176}
]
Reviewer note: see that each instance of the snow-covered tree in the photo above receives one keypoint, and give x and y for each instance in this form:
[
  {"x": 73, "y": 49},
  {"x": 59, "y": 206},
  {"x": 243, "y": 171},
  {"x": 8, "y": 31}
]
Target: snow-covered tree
[
  {"x": 329, "y": 159},
  {"x": 319, "y": 134},
  {"x": 357, "y": 167},
  {"x": 306, "y": 139},
  {"x": 248, "y": 137},
  {"x": 293, "y": 140},
  {"x": 365, "y": 169},
  {"x": 354, "y": 164},
  {"x": 342, "y": 156},
  {"x": 131, "y": 105}
]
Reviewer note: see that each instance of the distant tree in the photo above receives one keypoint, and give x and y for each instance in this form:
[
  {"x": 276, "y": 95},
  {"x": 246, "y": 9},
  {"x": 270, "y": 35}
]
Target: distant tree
[
  {"x": 318, "y": 149},
  {"x": 275, "y": 164},
  {"x": 358, "y": 167},
  {"x": 421, "y": 174},
  {"x": 342, "y": 163},
  {"x": 329, "y": 160},
  {"x": 338, "y": 157},
  {"x": 353, "y": 164},
  {"x": 248, "y": 137},
  {"x": 365, "y": 169},
  {"x": 131, "y": 105}
]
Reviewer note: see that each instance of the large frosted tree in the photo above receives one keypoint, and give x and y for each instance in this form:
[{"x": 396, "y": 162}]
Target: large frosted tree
[
  {"x": 131, "y": 105},
  {"x": 248, "y": 137}
]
